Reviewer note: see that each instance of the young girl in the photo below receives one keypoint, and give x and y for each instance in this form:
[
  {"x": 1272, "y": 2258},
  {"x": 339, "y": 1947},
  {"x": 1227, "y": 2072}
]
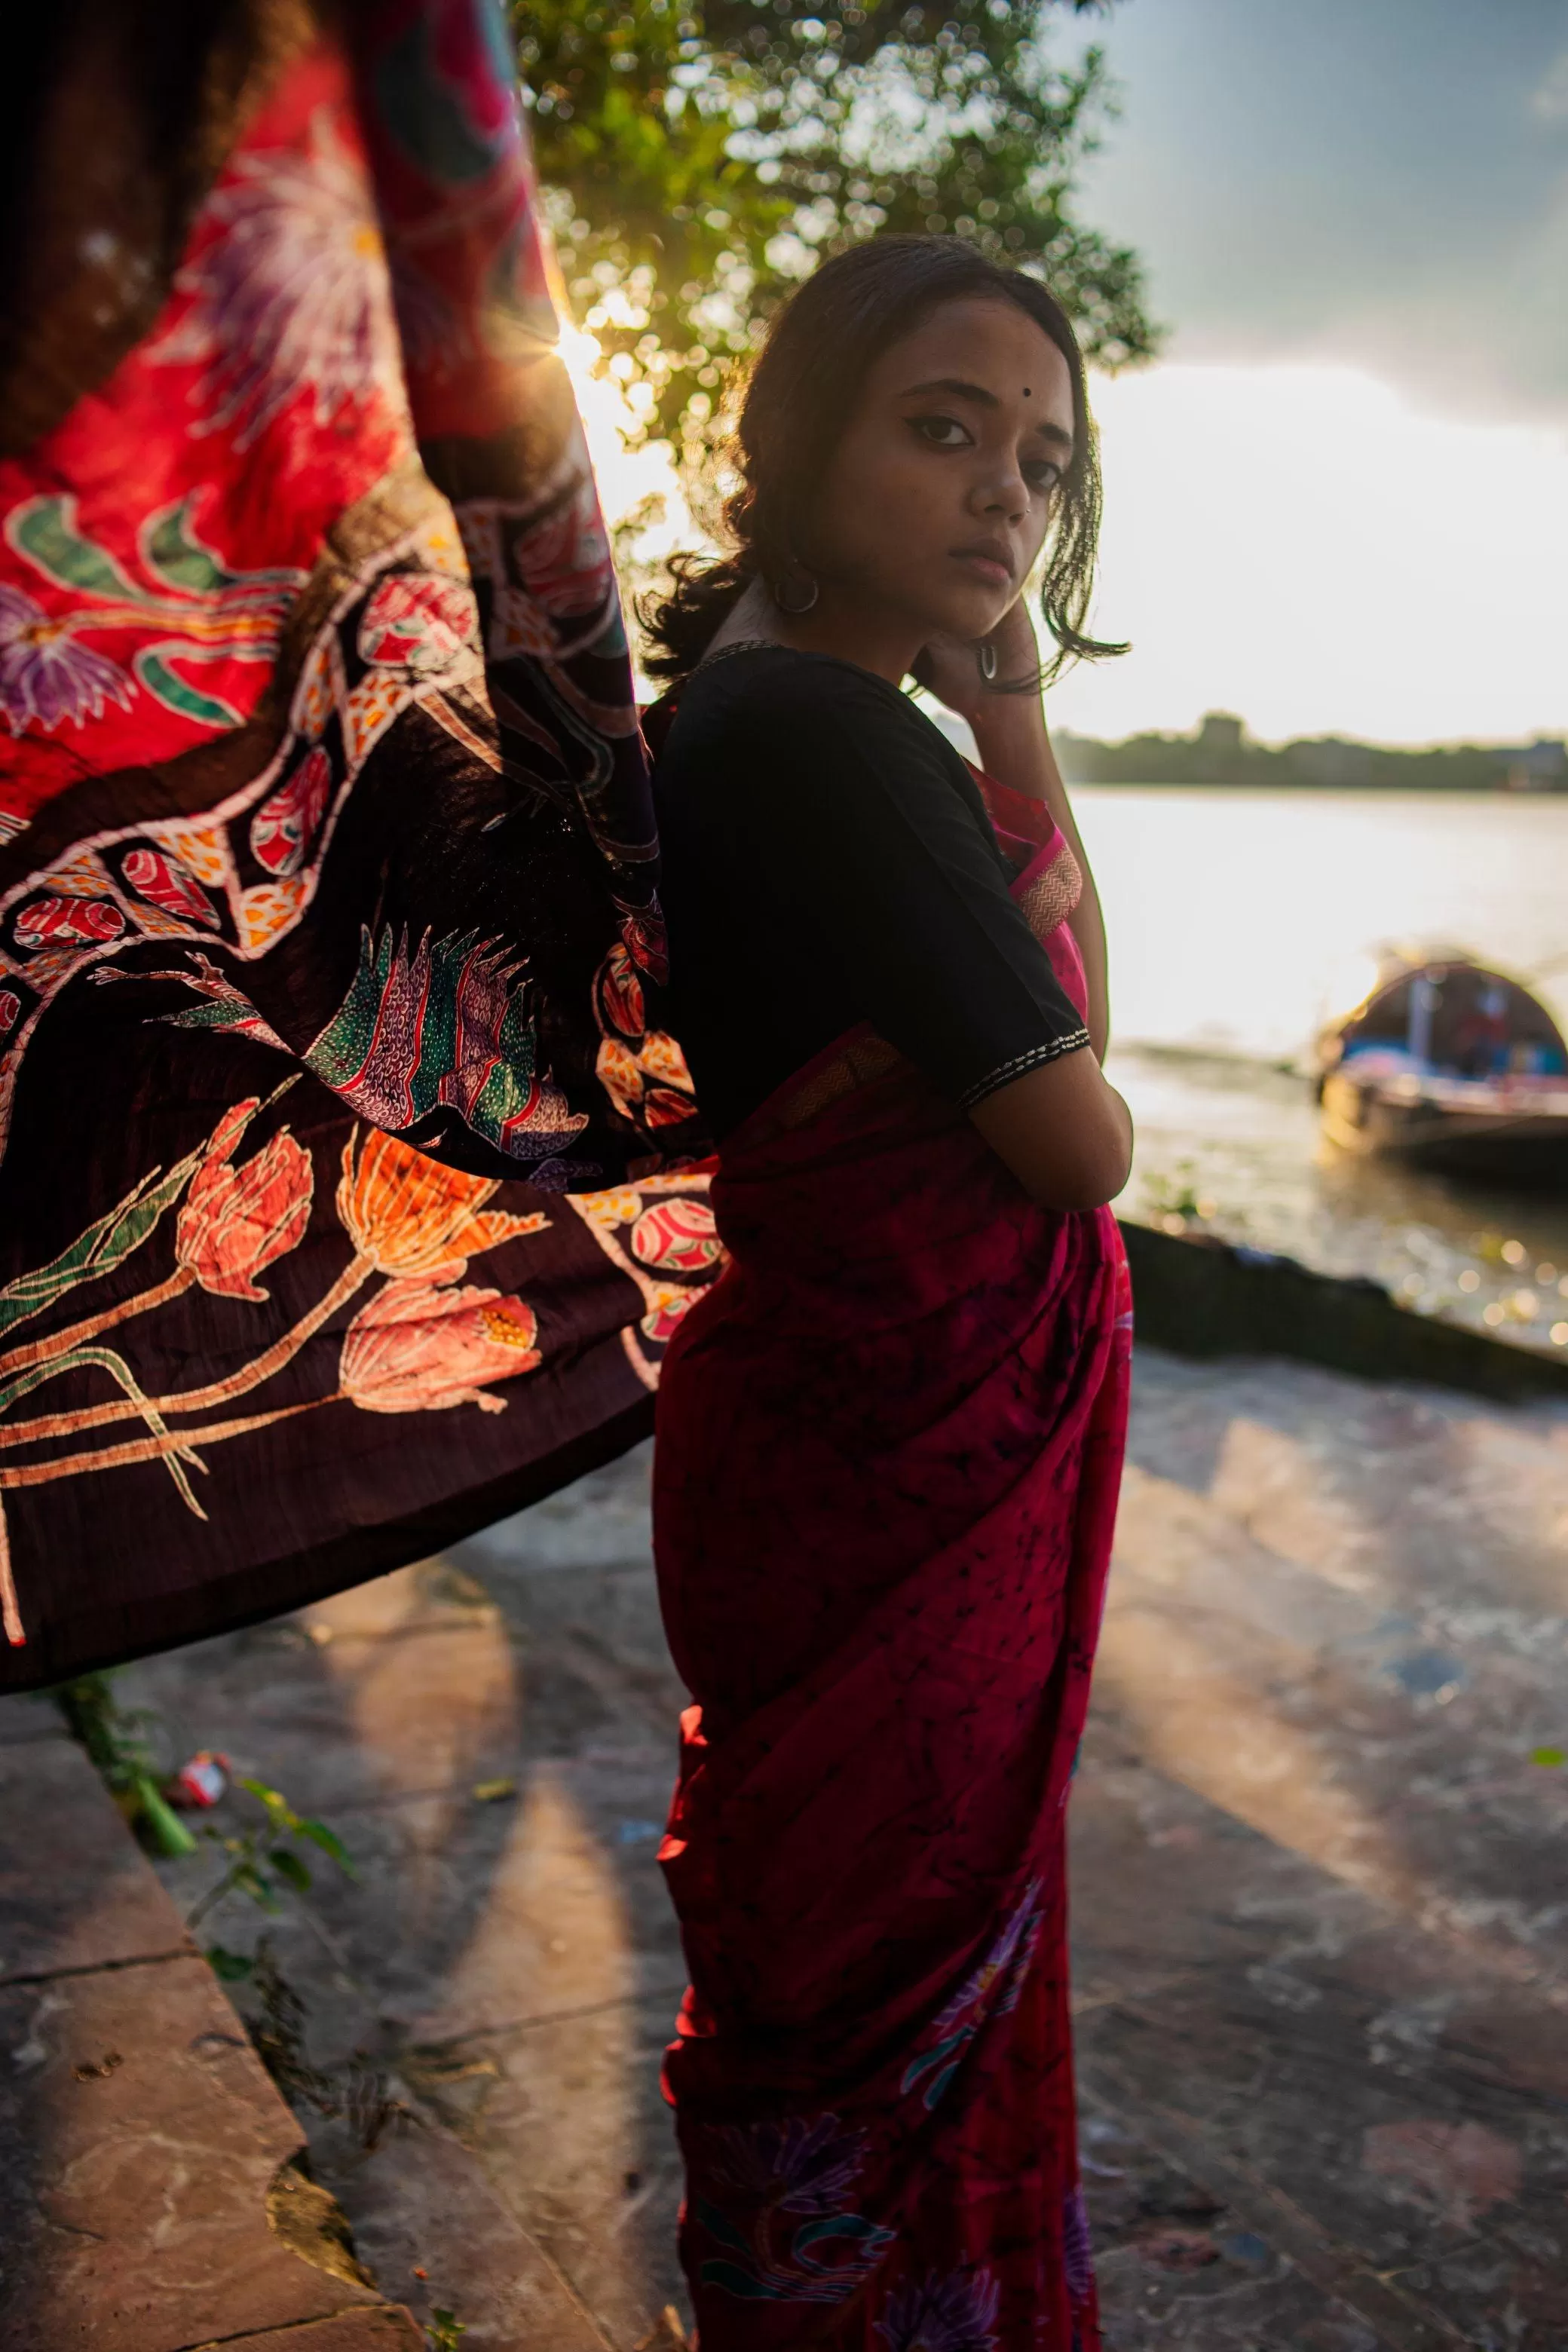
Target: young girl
[{"x": 890, "y": 1441}]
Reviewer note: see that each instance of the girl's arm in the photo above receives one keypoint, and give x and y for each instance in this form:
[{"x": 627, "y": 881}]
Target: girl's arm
[
  {"x": 1062, "y": 1130},
  {"x": 1010, "y": 735},
  {"x": 1014, "y": 747}
]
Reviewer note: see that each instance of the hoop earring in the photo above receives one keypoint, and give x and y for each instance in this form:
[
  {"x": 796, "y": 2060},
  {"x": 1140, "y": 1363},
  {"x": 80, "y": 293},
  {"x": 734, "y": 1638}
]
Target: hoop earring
[
  {"x": 794, "y": 611},
  {"x": 986, "y": 656}
]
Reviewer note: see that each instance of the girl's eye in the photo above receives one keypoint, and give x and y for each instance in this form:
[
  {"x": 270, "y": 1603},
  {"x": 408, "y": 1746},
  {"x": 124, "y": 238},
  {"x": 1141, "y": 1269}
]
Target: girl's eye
[
  {"x": 1042, "y": 474},
  {"x": 942, "y": 432}
]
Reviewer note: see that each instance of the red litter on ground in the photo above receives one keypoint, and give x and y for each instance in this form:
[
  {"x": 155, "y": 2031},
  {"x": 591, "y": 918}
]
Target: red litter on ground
[{"x": 200, "y": 1780}]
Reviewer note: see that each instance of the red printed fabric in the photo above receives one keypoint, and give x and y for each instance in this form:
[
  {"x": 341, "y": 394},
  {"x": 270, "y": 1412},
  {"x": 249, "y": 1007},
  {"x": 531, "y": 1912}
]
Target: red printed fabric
[
  {"x": 346, "y": 1184},
  {"x": 890, "y": 1446}
]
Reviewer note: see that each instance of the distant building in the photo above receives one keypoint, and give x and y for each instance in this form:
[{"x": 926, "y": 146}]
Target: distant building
[
  {"x": 1540, "y": 767},
  {"x": 1222, "y": 734}
]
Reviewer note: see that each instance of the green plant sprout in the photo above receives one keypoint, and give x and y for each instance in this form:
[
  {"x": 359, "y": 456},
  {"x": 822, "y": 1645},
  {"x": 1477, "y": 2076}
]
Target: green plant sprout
[
  {"x": 443, "y": 2328},
  {"x": 263, "y": 1860},
  {"x": 117, "y": 1742}
]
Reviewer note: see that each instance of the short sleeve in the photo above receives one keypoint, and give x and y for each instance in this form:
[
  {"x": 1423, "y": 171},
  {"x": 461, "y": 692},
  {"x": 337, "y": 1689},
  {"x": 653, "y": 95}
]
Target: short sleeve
[{"x": 882, "y": 857}]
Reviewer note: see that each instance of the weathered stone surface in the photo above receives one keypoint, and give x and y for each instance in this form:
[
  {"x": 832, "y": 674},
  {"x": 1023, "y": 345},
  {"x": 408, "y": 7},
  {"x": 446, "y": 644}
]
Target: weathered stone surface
[
  {"x": 388, "y": 2328},
  {"x": 74, "y": 1890},
  {"x": 425, "y": 2203},
  {"x": 34, "y": 1716},
  {"x": 139, "y": 2137}
]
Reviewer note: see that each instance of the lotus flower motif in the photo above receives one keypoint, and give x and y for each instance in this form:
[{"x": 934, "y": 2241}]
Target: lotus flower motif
[
  {"x": 803, "y": 2165},
  {"x": 237, "y": 1220},
  {"x": 47, "y": 675},
  {"x": 412, "y": 1217},
  {"x": 644, "y": 937},
  {"x": 290, "y": 294},
  {"x": 957, "y": 2313},
  {"x": 415, "y": 1348}
]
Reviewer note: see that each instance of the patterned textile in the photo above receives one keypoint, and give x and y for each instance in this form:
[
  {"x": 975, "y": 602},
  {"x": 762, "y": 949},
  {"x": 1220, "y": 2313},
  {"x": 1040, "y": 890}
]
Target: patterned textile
[
  {"x": 334, "y": 1093},
  {"x": 890, "y": 1447}
]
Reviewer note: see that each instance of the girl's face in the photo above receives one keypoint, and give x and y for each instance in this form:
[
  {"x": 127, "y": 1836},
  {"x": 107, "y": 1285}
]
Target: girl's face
[{"x": 939, "y": 497}]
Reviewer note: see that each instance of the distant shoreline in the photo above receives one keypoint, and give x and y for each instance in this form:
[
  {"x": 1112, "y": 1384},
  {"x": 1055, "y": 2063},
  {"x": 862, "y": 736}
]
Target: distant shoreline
[
  {"x": 1298, "y": 784},
  {"x": 1221, "y": 754}
]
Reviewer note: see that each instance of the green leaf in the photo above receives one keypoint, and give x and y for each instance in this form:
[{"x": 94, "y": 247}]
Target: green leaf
[
  {"x": 163, "y": 1828},
  {"x": 119, "y": 1370},
  {"x": 718, "y": 2225},
  {"x": 329, "y": 1843},
  {"x": 737, "y": 2282},
  {"x": 232, "y": 1966},
  {"x": 167, "y": 686},
  {"x": 1551, "y": 1756},
  {"x": 176, "y": 556},
  {"x": 250, "y": 1881},
  {"x": 289, "y": 1865},
  {"x": 839, "y": 2225},
  {"x": 280, "y": 1813},
  {"x": 46, "y": 529},
  {"x": 106, "y": 1243}
]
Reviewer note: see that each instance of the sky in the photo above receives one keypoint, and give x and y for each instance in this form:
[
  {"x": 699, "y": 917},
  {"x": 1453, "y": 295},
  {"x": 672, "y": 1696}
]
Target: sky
[{"x": 1339, "y": 501}]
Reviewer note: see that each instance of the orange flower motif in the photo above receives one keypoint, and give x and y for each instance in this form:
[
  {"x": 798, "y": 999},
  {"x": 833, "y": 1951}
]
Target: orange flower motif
[
  {"x": 414, "y": 1349},
  {"x": 411, "y": 1216},
  {"x": 651, "y": 1085},
  {"x": 237, "y": 1220}
]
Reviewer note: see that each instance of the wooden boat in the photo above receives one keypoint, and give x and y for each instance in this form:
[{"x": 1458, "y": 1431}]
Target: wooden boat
[{"x": 1449, "y": 1062}]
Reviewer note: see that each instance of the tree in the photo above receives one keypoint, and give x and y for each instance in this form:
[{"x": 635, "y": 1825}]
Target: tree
[{"x": 699, "y": 155}]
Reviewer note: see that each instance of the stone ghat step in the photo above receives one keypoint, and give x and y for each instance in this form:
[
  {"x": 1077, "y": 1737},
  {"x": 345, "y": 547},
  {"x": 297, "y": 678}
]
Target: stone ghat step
[
  {"x": 152, "y": 2196},
  {"x": 1201, "y": 1297}
]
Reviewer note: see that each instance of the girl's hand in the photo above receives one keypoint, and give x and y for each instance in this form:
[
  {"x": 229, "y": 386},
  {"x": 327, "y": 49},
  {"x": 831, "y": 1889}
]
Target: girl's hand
[{"x": 949, "y": 668}]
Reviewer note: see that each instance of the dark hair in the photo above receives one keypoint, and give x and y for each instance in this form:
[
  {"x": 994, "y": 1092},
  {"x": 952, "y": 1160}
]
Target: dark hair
[{"x": 801, "y": 392}]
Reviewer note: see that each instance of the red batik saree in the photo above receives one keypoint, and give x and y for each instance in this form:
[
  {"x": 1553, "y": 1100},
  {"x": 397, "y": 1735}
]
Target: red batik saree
[
  {"x": 346, "y": 1196},
  {"x": 889, "y": 1441}
]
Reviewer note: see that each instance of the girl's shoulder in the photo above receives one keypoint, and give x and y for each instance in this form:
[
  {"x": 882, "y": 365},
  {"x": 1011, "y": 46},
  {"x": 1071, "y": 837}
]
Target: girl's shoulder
[{"x": 777, "y": 702}]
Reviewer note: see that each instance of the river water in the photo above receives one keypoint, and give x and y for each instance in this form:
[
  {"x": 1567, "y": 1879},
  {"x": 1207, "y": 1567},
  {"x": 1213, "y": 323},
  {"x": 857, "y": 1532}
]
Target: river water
[{"x": 1237, "y": 921}]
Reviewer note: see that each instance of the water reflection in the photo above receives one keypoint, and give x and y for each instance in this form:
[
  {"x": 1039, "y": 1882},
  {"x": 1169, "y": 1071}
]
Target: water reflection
[
  {"x": 1231, "y": 1146},
  {"x": 1238, "y": 921}
]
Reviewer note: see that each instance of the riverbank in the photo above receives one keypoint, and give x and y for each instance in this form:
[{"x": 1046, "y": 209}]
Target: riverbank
[{"x": 1227, "y": 1145}]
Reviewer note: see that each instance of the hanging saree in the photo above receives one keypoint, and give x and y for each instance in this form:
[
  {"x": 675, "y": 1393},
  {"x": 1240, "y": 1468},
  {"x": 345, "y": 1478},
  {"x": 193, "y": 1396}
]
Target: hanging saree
[
  {"x": 347, "y": 1196},
  {"x": 889, "y": 1448}
]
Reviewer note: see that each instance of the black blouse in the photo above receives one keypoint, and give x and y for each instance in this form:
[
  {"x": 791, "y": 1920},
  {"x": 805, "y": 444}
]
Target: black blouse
[{"x": 827, "y": 860}]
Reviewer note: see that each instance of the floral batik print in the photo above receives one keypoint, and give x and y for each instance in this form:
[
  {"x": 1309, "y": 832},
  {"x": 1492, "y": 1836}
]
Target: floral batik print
[
  {"x": 425, "y": 1341},
  {"x": 992, "y": 1991},
  {"x": 786, "y": 2226},
  {"x": 330, "y": 957},
  {"x": 288, "y": 290},
  {"x": 209, "y": 615},
  {"x": 953, "y": 2313},
  {"x": 661, "y": 1232}
]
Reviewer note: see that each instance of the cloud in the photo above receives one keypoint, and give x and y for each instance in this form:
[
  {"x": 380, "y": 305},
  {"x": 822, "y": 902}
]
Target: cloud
[
  {"x": 1549, "y": 98},
  {"x": 1385, "y": 188}
]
